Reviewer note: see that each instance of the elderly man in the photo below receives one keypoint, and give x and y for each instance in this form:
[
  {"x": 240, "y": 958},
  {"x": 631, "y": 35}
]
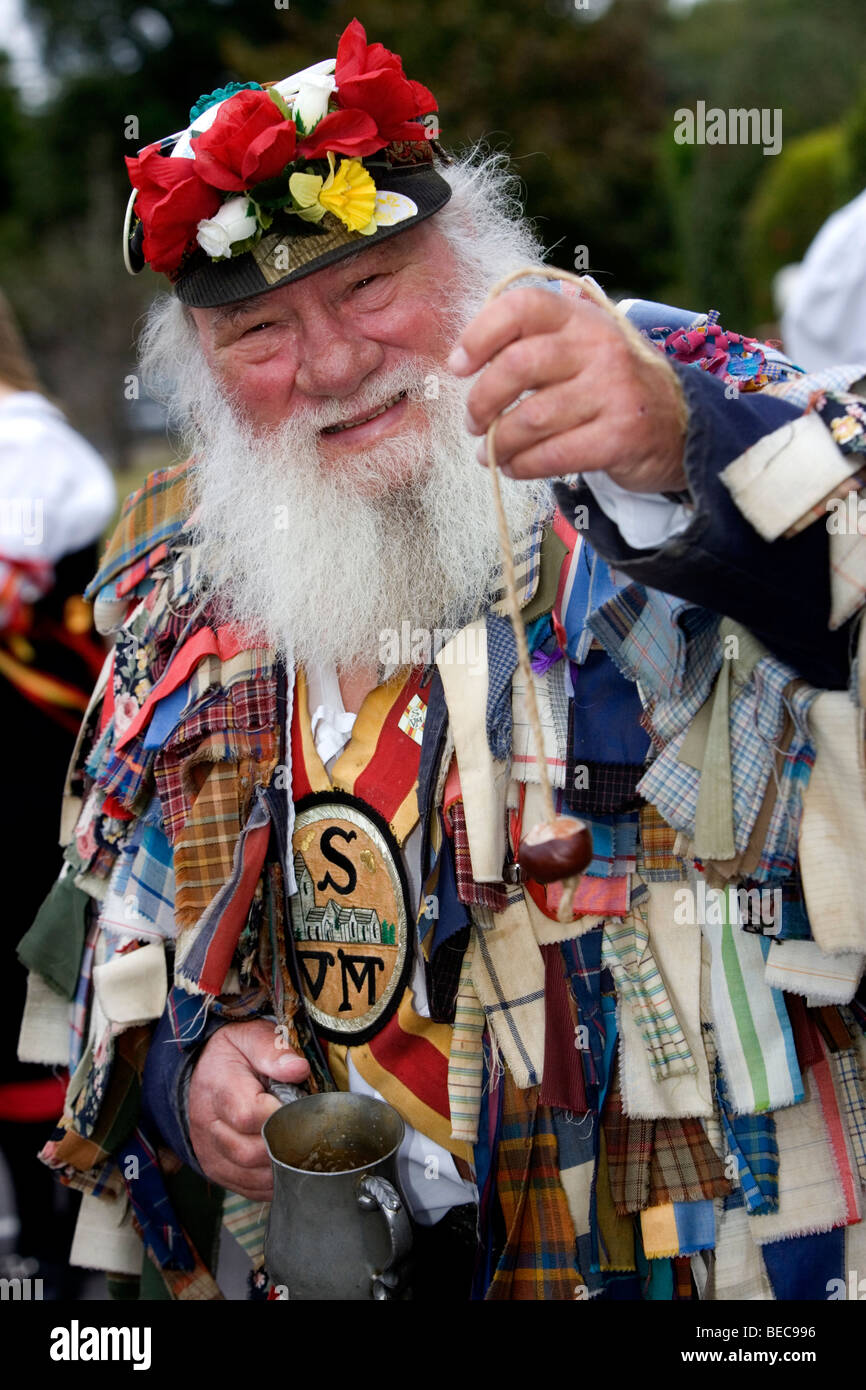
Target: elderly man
[{"x": 307, "y": 768}]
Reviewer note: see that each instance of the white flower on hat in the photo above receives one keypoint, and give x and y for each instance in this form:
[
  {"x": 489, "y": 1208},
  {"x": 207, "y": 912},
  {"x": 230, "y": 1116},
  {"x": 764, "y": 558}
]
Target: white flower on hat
[
  {"x": 230, "y": 223},
  {"x": 311, "y": 101}
]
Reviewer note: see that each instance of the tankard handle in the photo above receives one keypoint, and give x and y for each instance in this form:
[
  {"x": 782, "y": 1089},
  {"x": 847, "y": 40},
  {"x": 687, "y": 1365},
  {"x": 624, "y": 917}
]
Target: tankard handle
[{"x": 378, "y": 1192}]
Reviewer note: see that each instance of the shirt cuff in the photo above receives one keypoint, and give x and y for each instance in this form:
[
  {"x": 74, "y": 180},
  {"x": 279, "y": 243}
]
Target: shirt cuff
[{"x": 645, "y": 520}]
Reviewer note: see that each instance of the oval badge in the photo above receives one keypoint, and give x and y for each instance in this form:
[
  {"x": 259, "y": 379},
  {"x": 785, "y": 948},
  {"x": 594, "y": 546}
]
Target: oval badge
[{"x": 351, "y": 924}]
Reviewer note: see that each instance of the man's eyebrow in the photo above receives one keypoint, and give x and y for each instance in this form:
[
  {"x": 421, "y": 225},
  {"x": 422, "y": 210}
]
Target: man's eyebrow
[{"x": 229, "y": 313}]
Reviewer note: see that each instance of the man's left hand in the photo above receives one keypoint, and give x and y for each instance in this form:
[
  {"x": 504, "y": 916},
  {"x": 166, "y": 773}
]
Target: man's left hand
[{"x": 596, "y": 404}]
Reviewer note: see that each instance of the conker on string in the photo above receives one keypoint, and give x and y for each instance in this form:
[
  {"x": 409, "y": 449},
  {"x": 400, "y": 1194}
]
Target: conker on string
[{"x": 555, "y": 850}]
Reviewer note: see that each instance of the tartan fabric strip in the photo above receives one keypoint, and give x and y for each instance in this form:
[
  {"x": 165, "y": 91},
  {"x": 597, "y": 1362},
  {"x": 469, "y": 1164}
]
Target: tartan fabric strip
[
  {"x": 751, "y": 1139},
  {"x": 205, "y": 847},
  {"x": 204, "y": 953},
  {"x": 684, "y": 1166},
  {"x": 468, "y": 891},
  {"x": 501, "y": 664},
  {"x": 669, "y": 646},
  {"x": 800, "y": 390},
  {"x": 657, "y": 862},
  {"x": 156, "y": 511},
  {"x": 757, "y": 715},
  {"x": 851, "y": 1092},
  {"x": 601, "y": 788},
  {"x": 629, "y": 1145},
  {"x": 780, "y": 849},
  {"x": 539, "y": 1261},
  {"x": 606, "y": 846},
  {"x": 627, "y": 953},
  {"x": 124, "y": 774},
  {"x": 160, "y": 1230},
  {"x": 240, "y": 723}
]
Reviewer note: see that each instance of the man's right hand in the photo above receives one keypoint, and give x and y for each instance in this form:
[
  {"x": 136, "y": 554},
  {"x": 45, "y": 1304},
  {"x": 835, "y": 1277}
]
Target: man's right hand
[{"x": 228, "y": 1105}]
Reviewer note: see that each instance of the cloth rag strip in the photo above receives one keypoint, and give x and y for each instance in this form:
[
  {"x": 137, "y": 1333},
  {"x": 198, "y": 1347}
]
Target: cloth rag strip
[
  {"x": 677, "y": 1228},
  {"x": 850, "y": 1089},
  {"x": 508, "y": 976},
  {"x": 801, "y": 967},
  {"x": 627, "y": 953},
  {"x": 752, "y": 1029},
  {"x": 739, "y": 1271},
  {"x": 539, "y": 1261},
  {"x": 811, "y": 1198},
  {"x": 832, "y": 1106},
  {"x": 833, "y": 828},
  {"x": 751, "y": 1139},
  {"x": 466, "y": 1059},
  {"x": 677, "y": 950},
  {"x": 204, "y": 953}
]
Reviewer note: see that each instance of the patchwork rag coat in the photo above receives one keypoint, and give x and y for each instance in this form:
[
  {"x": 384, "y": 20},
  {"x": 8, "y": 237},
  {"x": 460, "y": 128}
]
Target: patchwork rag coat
[{"x": 661, "y": 1097}]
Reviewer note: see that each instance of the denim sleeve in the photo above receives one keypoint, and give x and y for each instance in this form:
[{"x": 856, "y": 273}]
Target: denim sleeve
[
  {"x": 780, "y": 590},
  {"x": 165, "y": 1085}
]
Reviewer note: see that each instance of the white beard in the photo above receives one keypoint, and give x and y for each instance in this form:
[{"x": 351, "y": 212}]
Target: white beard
[{"x": 327, "y": 568}]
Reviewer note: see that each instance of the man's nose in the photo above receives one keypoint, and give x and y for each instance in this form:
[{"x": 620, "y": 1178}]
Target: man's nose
[{"x": 335, "y": 359}]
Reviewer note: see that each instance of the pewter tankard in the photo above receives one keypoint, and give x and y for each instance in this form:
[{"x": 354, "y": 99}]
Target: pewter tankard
[{"x": 338, "y": 1226}]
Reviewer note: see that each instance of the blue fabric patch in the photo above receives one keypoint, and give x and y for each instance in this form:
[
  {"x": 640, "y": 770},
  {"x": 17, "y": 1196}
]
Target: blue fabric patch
[
  {"x": 166, "y": 717},
  {"x": 803, "y": 1266},
  {"x": 605, "y": 714}
]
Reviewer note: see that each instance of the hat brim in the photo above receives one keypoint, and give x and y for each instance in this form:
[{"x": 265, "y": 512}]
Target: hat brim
[{"x": 284, "y": 255}]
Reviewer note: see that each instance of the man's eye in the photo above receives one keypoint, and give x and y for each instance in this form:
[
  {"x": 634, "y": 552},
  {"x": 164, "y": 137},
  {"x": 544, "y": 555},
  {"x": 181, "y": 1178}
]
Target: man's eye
[
  {"x": 256, "y": 328},
  {"x": 361, "y": 284}
]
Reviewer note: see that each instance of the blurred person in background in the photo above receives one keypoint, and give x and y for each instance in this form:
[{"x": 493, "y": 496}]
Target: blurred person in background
[
  {"x": 823, "y": 299},
  {"x": 56, "y": 497}
]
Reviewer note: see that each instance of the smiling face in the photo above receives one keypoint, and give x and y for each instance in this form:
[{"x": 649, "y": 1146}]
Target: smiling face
[
  {"x": 325, "y": 350},
  {"x": 321, "y": 528}
]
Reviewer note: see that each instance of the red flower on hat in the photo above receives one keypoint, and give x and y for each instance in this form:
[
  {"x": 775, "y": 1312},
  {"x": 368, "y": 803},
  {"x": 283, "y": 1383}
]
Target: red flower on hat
[
  {"x": 171, "y": 202},
  {"x": 344, "y": 132},
  {"x": 370, "y": 78},
  {"x": 249, "y": 141}
]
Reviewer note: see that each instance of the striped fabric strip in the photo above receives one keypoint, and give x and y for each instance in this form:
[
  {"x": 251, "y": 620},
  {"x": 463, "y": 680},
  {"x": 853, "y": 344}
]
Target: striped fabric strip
[
  {"x": 380, "y": 762},
  {"x": 626, "y": 951},
  {"x": 466, "y": 1059},
  {"x": 751, "y": 1139},
  {"x": 851, "y": 1092},
  {"x": 407, "y": 1063},
  {"x": 837, "y": 1134},
  {"x": 753, "y": 1032},
  {"x": 248, "y": 1223}
]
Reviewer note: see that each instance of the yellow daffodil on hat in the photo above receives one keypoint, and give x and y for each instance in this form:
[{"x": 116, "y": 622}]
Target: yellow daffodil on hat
[{"x": 348, "y": 192}]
